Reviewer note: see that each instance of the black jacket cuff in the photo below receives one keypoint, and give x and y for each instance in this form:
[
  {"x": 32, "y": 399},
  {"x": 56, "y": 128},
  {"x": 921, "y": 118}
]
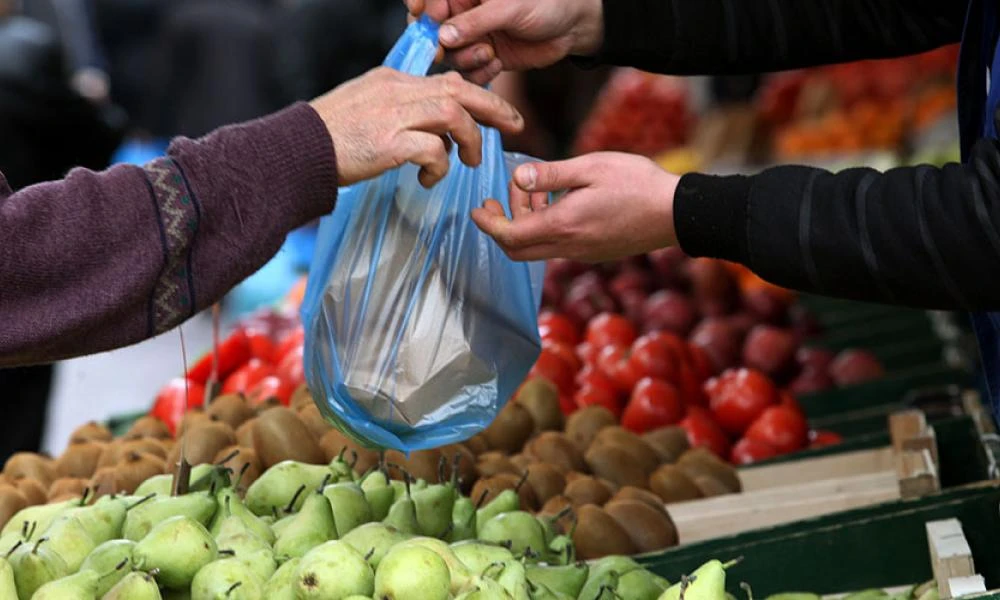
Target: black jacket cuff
[{"x": 710, "y": 216}]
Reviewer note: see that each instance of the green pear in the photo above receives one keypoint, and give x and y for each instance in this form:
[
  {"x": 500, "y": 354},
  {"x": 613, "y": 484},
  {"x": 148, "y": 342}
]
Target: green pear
[
  {"x": 640, "y": 584},
  {"x": 872, "y": 594},
  {"x": 463, "y": 520},
  {"x": 505, "y": 502},
  {"x": 434, "y": 507},
  {"x": 312, "y": 526},
  {"x": 140, "y": 520},
  {"x": 106, "y": 560},
  {"x": 930, "y": 594},
  {"x": 341, "y": 470},
  {"x": 281, "y": 585},
  {"x": 38, "y": 519},
  {"x": 483, "y": 588},
  {"x": 34, "y": 565},
  {"x": 374, "y": 540},
  {"x": 163, "y": 485},
  {"x": 134, "y": 586},
  {"x": 403, "y": 514},
  {"x": 400, "y": 488},
  {"x": 334, "y": 570},
  {"x": 708, "y": 582},
  {"x": 379, "y": 493},
  {"x": 798, "y": 596},
  {"x": 103, "y": 520},
  {"x": 9, "y": 541},
  {"x": 281, "y": 524},
  {"x": 349, "y": 505},
  {"x": 543, "y": 592},
  {"x": 177, "y": 548},
  {"x": 521, "y": 529},
  {"x": 278, "y": 487},
  {"x": 568, "y": 579},
  {"x": 79, "y": 586},
  {"x": 8, "y": 589},
  {"x": 514, "y": 579},
  {"x": 413, "y": 572},
  {"x": 460, "y": 574},
  {"x": 477, "y": 555},
  {"x": 230, "y": 504},
  {"x": 226, "y": 579},
  {"x": 68, "y": 538},
  {"x": 606, "y": 572},
  {"x": 236, "y": 538},
  {"x": 561, "y": 550}
]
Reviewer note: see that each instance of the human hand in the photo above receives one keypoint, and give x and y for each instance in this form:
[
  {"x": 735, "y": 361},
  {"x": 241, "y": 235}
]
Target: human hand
[
  {"x": 385, "y": 118},
  {"x": 484, "y": 37},
  {"x": 618, "y": 205}
]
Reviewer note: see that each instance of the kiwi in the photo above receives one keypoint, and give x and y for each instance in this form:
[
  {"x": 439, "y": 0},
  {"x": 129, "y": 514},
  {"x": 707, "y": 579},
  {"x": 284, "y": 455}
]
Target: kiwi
[
  {"x": 494, "y": 463},
  {"x": 491, "y": 487},
  {"x": 673, "y": 485},
  {"x": 669, "y": 442},
  {"x": 66, "y": 486},
  {"x": 239, "y": 458},
  {"x": 300, "y": 398},
  {"x": 268, "y": 404},
  {"x": 33, "y": 492},
  {"x": 90, "y": 432},
  {"x": 137, "y": 467},
  {"x": 422, "y": 464},
  {"x": 477, "y": 444},
  {"x": 111, "y": 455},
  {"x": 556, "y": 506},
  {"x": 587, "y": 490},
  {"x": 572, "y": 476},
  {"x": 280, "y": 435},
  {"x": 232, "y": 409},
  {"x": 702, "y": 460},
  {"x": 555, "y": 448},
  {"x": 633, "y": 493},
  {"x": 541, "y": 399},
  {"x": 612, "y": 461},
  {"x": 104, "y": 482},
  {"x": 11, "y": 501},
  {"x": 148, "y": 427},
  {"x": 641, "y": 452},
  {"x": 546, "y": 481},
  {"x": 648, "y": 528},
  {"x": 466, "y": 462},
  {"x": 80, "y": 460},
  {"x": 510, "y": 429},
  {"x": 334, "y": 441},
  {"x": 244, "y": 433},
  {"x": 201, "y": 442},
  {"x": 317, "y": 425},
  {"x": 190, "y": 419},
  {"x": 583, "y": 425},
  {"x": 28, "y": 465},
  {"x": 598, "y": 535},
  {"x": 521, "y": 461},
  {"x": 710, "y": 486},
  {"x": 147, "y": 445}
]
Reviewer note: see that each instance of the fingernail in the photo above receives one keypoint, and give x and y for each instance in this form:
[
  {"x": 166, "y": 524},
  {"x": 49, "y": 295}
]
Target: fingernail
[
  {"x": 527, "y": 176},
  {"x": 483, "y": 56},
  {"x": 448, "y": 34}
]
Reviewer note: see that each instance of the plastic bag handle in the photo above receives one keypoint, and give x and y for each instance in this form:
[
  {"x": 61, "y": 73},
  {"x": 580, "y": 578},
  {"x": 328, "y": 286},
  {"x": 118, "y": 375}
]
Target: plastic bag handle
[{"x": 415, "y": 50}]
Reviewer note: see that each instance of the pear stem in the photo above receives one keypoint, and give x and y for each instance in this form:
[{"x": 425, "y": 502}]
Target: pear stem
[
  {"x": 685, "y": 582},
  {"x": 323, "y": 484},
  {"x": 482, "y": 499},
  {"x": 442, "y": 463},
  {"x": 231, "y": 456},
  {"x": 24, "y": 529},
  {"x": 86, "y": 496},
  {"x": 38, "y": 543},
  {"x": 746, "y": 588},
  {"x": 34, "y": 528},
  {"x": 456, "y": 464},
  {"x": 16, "y": 546},
  {"x": 145, "y": 498},
  {"x": 227, "y": 552},
  {"x": 354, "y": 459},
  {"x": 732, "y": 563},
  {"x": 295, "y": 498},
  {"x": 524, "y": 478},
  {"x": 343, "y": 451},
  {"x": 243, "y": 471},
  {"x": 233, "y": 587},
  {"x": 370, "y": 554}
]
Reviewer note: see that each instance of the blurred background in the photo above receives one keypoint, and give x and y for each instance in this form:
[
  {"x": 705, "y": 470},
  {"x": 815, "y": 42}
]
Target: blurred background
[{"x": 98, "y": 82}]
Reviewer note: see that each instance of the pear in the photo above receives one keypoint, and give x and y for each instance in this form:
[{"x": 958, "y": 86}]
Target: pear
[
  {"x": 543, "y": 592},
  {"x": 141, "y": 519},
  {"x": 401, "y": 489},
  {"x": 276, "y": 488},
  {"x": 413, "y": 572},
  {"x": 374, "y": 540},
  {"x": 230, "y": 504},
  {"x": 379, "y": 493},
  {"x": 434, "y": 507},
  {"x": 161, "y": 485},
  {"x": 568, "y": 579},
  {"x": 460, "y": 574},
  {"x": 342, "y": 471},
  {"x": 463, "y": 520},
  {"x": 281, "y": 585},
  {"x": 505, "y": 502},
  {"x": 281, "y": 524},
  {"x": 134, "y": 586},
  {"x": 105, "y": 560},
  {"x": 403, "y": 513},
  {"x": 606, "y": 572},
  {"x": 708, "y": 582},
  {"x": 805, "y": 596},
  {"x": 483, "y": 588},
  {"x": 103, "y": 520},
  {"x": 12, "y": 539},
  {"x": 8, "y": 589},
  {"x": 514, "y": 580},
  {"x": 177, "y": 547},
  {"x": 477, "y": 556},
  {"x": 226, "y": 579},
  {"x": 34, "y": 565},
  {"x": 79, "y": 586},
  {"x": 640, "y": 584},
  {"x": 312, "y": 526},
  {"x": 235, "y": 537},
  {"x": 520, "y": 528},
  {"x": 335, "y": 570},
  {"x": 68, "y": 538},
  {"x": 41, "y": 515},
  {"x": 349, "y": 506}
]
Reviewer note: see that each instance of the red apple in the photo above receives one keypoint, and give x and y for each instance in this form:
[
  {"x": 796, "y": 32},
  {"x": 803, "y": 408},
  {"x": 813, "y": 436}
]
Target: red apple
[
  {"x": 766, "y": 304},
  {"x": 769, "y": 349},
  {"x": 810, "y": 380},
  {"x": 632, "y": 303},
  {"x": 720, "y": 340},
  {"x": 714, "y": 287},
  {"x": 668, "y": 263},
  {"x": 669, "y": 311},
  {"x": 852, "y": 367},
  {"x": 817, "y": 358}
]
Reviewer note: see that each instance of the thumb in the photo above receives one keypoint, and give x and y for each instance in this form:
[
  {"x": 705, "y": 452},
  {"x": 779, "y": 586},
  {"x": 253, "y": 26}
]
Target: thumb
[
  {"x": 477, "y": 23},
  {"x": 555, "y": 176}
]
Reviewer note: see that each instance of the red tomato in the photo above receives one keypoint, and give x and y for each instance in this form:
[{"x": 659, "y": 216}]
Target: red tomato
[
  {"x": 747, "y": 451},
  {"x": 615, "y": 363},
  {"x": 654, "y": 403},
  {"x": 677, "y": 346},
  {"x": 701, "y": 364},
  {"x": 175, "y": 399},
  {"x": 550, "y": 366},
  {"x": 610, "y": 329},
  {"x": 691, "y": 388},
  {"x": 261, "y": 344},
  {"x": 567, "y": 405},
  {"x": 558, "y": 327},
  {"x": 269, "y": 387},
  {"x": 590, "y": 396},
  {"x": 653, "y": 358},
  {"x": 780, "y": 427},
  {"x": 592, "y": 376},
  {"x": 292, "y": 340},
  {"x": 247, "y": 376},
  {"x": 564, "y": 351},
  {"x": 821, "y": 439},
  {"x": 737, "y": 400},
  {"x": 233, "y": 352},
  {"x": 292, "y": 367},
  {"x": 703, "y": 432},
  {"x": 587, "y": 353}
]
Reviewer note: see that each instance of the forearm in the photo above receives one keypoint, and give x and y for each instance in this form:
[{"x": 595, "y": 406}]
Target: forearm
[
  {"x": 917, "y": 236},
  {"x": 721, "y": 37},
  {"x": 103, "y": 260}
]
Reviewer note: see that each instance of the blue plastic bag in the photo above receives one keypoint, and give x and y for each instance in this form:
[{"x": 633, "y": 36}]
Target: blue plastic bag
[{"x": 418, "y": 327}]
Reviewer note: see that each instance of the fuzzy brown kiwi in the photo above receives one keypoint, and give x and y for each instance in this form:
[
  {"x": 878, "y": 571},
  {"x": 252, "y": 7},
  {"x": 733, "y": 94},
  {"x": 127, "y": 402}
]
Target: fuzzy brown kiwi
[
  {"x": 477, "y": 444},
  {"x": 673, "y": 485},
  {"x": 137, "y": 467},
  {"x": 555, "y": 448},
  {"x": 669, "y": 442},
  {"x": 11, "y": 501},
  {"x": 467, "y": 473},
  {"x": 587, "y": 490},
  {"x": 66, "y": 486},
  {"x": 28, "y": 465},
  {"x": 612, "y": 461},
  {"x": 702, "y": 460},
  {"x": 34, "y": 492},
  {"x": 583, "y": 425},
  {"x": 334, "y": 441},
  {"x": 301, "y": 397},
  {"x": 191, "y": 419},
  {"x": 232, "y": 409},
  {"x": 314, "y": 420},
  {"x": 267, "y": 405},
  {"x": 546, "y": 481},
  {"x": 104, "y": 482},
  {"x": 239, "y": 458},
  {"x": 521, "y": 461},
  {"x": 633, "y": 493},
  {"x": 148, "y": 427},
  {"x": 641, "y": 452},
  {"x": 556, "y": 506},
  {"x": 111, "y": 455},
  {"x": 710, "y": 486},
  {"x": 510, "y": 429},
  {"x": 90, "y": 432},
  {"x": 494, "y": 463},
  {"x": 201, "y": 442},
  {"x": 491, "y": 486},
  {"x": 280, "y": 435},
  {"x": 541, "y": 399},
  {"x": 244, "y": 433},
  {"x": 422, "y": 464},
  {"x": 598, "y": 535},
  {"x": 80, "y": 460},
  {"x": 147, "y": 445},
  {"x": 648, "y": 528},
  {"x": 572, "y": 476}
]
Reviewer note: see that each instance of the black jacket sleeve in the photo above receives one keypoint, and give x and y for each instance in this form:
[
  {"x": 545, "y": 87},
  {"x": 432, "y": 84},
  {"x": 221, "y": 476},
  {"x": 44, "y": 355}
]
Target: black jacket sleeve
[
  {"x": 726, "y": 37},
  {"x": 917, "y": 236}
]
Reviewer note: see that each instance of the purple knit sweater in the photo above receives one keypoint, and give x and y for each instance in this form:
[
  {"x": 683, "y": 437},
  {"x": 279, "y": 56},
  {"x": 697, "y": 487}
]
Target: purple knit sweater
[{"x": 103, "y": 260}]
